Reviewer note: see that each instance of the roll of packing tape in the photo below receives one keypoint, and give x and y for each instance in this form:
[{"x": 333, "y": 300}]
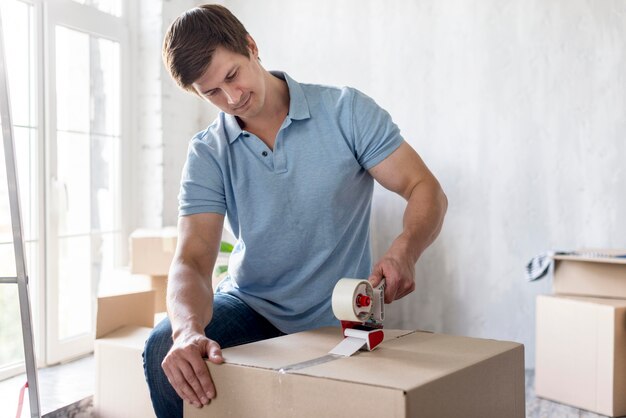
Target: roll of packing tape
[{"x": 352, "y": 300}]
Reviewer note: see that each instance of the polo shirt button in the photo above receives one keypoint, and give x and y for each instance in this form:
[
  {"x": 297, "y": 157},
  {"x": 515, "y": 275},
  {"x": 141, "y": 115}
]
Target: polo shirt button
[
  {"x": 264, "y": 153},
  {"x": 246, "y": 135}
]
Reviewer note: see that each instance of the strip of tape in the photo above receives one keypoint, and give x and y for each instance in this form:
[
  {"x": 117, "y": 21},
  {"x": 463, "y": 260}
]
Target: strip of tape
[
  {"x": 347, "y": 347},
  {"x": 308, "y": 363}
]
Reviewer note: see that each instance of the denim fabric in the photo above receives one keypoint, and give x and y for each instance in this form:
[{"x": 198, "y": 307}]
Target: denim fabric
[{"x": 233, "y": 323}]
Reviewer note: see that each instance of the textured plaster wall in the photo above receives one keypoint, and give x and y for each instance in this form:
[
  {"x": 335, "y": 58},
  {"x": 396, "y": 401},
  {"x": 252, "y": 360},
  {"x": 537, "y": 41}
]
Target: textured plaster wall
[
  {"x": 518, "y": 107},
  {"x": 167, "y": 117},
  {"x": 147, "y": 164}
]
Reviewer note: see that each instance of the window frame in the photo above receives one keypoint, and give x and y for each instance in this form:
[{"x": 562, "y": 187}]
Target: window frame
[
  {"x": 89, "y": 20},
  {"x": 46, "y": 15}
]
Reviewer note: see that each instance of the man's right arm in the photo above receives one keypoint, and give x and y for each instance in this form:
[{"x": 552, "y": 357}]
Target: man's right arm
[{"x": 190, "y": 307}]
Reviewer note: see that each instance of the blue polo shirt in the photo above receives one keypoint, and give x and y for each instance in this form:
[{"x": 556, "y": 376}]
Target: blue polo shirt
[{"x": 301, "y": 211}]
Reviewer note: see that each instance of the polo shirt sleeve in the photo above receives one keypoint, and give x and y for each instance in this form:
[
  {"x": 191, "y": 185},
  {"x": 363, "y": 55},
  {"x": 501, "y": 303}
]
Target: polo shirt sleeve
[
  {"x": 375, "y": 135},
  {"x": 202, "y": 182}
]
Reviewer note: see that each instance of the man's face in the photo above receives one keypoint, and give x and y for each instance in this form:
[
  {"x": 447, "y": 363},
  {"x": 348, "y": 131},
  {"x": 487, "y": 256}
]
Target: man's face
[{"x": 234, "y": 83}]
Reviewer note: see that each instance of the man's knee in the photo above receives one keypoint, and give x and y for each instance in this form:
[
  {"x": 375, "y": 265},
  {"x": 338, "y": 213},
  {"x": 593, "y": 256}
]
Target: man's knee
[{"x": 157, "y": 345}]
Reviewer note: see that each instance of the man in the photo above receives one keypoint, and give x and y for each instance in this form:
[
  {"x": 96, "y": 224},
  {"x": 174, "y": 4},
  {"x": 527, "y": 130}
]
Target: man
[{"x": 291, "y": 166}]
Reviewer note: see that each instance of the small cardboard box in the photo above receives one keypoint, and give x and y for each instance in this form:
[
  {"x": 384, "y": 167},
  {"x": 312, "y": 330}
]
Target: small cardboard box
[
  {"x": 152, "y": 251},
  {"x": 122, "y": 327},
  {"x": 159, "y": 285},
  {"x": 411, "y": 374},
  {"x": 590, "y": 275},
  {"x": 581, "y": 352}
]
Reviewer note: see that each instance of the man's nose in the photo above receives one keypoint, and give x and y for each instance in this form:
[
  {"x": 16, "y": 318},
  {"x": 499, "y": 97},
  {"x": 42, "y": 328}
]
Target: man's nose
[{"x": 233, "y": 95}]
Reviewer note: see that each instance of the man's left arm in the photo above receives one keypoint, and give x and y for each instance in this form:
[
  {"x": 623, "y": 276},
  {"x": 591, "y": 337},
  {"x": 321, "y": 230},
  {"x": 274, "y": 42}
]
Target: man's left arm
[{"x": 404, "y": 173}]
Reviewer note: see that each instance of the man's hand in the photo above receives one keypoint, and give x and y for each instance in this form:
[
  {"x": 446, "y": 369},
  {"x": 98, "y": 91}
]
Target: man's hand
[
  {"x": 186, "y": 370},
  {"x": 399, "y": 274}
]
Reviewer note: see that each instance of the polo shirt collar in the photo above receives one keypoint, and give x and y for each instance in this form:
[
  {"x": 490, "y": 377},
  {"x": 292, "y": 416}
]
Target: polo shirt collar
[{"x": 298, "y": 107}]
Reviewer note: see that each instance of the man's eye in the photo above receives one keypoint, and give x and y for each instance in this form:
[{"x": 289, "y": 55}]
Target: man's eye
[
  {"x": 231, "y": 77},
  {"x": 210, "y": 93}
]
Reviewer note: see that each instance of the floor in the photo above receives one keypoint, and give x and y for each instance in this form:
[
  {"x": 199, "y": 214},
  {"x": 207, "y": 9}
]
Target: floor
[{"x": 66, "y": 391}]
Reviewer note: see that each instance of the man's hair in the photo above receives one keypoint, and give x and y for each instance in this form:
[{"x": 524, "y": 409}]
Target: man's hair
[{"x": 192, "y": 38}]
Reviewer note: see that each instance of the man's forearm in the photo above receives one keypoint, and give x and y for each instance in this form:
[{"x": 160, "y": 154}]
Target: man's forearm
[
  {"x": 189, "y": 300},
  {"x": 423, "y": 219}
]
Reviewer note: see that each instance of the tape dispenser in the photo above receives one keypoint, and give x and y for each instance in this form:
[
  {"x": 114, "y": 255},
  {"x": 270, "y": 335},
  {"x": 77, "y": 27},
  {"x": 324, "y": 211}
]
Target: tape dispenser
[{"x": 360, "y": 308}]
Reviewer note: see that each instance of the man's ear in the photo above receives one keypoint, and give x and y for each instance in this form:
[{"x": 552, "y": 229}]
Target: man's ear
[{"x": 254, "y": 51}]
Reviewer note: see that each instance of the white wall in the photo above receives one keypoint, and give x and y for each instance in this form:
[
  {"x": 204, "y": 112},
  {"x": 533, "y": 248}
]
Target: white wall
[
  {"x": 166, "y": 118},
  {"x": 518, "y": 107}
]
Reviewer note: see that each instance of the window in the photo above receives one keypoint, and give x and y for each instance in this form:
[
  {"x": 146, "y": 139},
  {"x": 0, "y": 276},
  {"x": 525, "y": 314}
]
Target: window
[
  {"x": 71, "y": 194},
  {"x": 18, "y": 20},
  {"x": 113, "y": 7}
]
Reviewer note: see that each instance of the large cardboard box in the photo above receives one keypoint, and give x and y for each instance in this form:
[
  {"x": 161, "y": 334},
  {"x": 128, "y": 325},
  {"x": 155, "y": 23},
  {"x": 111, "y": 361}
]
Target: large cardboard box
[
  {"x": 411, "y": 374},
  {"x": 123, "y": 325},
  {"x": 152, "y": 251},
  {"x": 591, "y": 275},
  {"x": 581, "y": 352}
]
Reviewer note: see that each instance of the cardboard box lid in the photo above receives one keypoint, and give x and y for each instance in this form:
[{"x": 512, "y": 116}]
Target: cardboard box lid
[
  {"x": 603, "y": 302},
  {"x": 165, "y": 232},
  {"x": 405, "y": 360},
  {"x": 164, "y": 238},
  {"x": 131, "y": 336},
  {"x": 595, "y": 255},
  {"x": 117, "y": 311}
]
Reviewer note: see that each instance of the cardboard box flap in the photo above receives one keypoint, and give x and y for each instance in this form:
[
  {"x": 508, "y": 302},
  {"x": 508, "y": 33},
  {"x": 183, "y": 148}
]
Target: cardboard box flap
[
  {"x": 279, "y": 352},
  {"x": 117, "y": 311},
  {"x": 422, "y": 356},
  {"x": 129, "y": 336},
  {"x": 430, "y": 357},
  {"x": 596, "y": 255}
]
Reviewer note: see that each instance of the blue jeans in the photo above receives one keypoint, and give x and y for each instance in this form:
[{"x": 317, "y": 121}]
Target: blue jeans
[{"x": 233, "y": 323}]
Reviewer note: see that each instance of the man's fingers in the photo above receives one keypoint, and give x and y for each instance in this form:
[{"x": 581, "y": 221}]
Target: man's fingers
[
  {"x": 191, "y": 378},
  {"x": 180, "y": 385},
  {"x": 377, "y": 276},
  {"x": 399, "y": 278},
  {"x": 201, "y": 372},
  {"x": 215, "y": 353},
  {"x": 391, "y": 283},
  {"x": 408, "y": 287},
  {"x": 191, "y": 381},
  {"x": 391, "y": 289}
]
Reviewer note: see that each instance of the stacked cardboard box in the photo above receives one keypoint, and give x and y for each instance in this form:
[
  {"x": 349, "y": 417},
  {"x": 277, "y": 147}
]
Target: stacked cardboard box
[
  {"x": 581, "y": 333},
  {"x": 411, "y": 374},
  {"x": 151, "y": 253},
  {"x": 123, "y": 325}
]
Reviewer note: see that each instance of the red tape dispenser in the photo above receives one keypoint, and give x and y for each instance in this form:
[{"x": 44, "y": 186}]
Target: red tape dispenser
[{"x": 360, "y": 308}]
